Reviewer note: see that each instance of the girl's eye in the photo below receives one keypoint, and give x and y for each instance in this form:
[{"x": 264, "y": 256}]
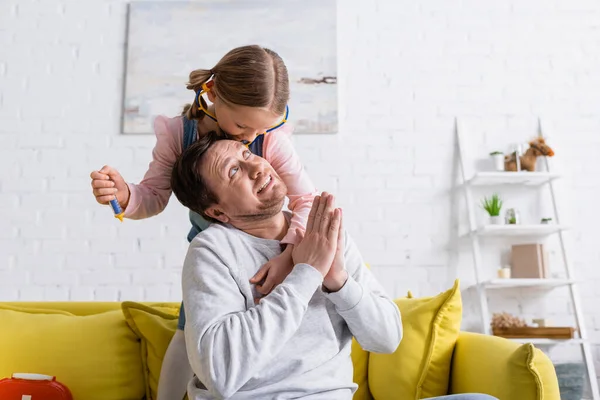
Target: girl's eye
[
  {"x": 240, "y": 126},
  {"x": 233, "y": 171},
  {"x": 247, "y": 154}
]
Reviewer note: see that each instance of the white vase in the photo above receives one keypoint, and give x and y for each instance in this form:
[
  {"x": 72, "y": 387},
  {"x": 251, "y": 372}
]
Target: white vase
[
  {"x": 496, "y": 220},
  {"x": 498, "y": 161}
]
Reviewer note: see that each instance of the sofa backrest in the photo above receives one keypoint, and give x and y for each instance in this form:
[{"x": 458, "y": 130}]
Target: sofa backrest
[{"x": 79, "y": 307}]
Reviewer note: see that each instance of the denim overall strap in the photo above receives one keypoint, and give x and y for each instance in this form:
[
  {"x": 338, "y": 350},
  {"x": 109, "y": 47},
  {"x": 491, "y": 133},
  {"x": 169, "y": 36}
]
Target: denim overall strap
[
  {"x": 190, "y": 134},
  {"x": 256, "y": 147}
]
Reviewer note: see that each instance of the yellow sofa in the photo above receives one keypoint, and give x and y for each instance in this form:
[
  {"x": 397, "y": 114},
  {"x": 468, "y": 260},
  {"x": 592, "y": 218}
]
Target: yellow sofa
[{"x": 85, "y": 332}]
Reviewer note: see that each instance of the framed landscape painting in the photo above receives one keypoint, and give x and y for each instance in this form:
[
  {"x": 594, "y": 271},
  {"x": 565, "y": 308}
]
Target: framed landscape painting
[{"x": 167, "y": 40}]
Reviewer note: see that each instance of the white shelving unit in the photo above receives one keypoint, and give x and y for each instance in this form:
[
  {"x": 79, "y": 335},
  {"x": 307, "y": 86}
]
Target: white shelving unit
[
  {"x": 515, "y": 178},
  {"x": 526, "y": 283},
  {"x": 507, "y": 232},
  {"x": 538, "y": 231},
  {"x": 551, "y": 342}
]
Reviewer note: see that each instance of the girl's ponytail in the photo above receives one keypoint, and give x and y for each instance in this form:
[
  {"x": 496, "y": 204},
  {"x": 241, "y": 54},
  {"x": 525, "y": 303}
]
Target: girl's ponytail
[{"x": 197, "y": 78}]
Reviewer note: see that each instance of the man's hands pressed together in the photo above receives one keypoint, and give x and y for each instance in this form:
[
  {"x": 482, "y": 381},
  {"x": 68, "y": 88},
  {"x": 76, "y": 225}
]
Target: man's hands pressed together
[
  {"x": 322, "y": 245},
  {"x": 337, "y": 275}
]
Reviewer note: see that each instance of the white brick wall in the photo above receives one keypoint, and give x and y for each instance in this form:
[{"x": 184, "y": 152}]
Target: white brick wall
[{"x": 406, "y": 69}]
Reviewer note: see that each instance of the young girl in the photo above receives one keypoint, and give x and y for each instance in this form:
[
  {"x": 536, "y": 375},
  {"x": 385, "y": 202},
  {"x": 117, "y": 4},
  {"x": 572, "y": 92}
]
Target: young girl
[{"x": 249, "y": 91}]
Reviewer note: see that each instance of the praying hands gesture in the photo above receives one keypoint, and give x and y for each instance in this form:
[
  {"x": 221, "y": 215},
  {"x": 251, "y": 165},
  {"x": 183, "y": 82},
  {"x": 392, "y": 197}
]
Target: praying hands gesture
[
  {"x": 322, "y": 245},
  {"x": 337, "y": 275}
]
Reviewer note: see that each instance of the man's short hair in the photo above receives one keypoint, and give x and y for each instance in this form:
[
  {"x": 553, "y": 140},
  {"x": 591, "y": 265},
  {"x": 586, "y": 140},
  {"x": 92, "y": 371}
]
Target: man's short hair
[{"x": 187, "y": 183}]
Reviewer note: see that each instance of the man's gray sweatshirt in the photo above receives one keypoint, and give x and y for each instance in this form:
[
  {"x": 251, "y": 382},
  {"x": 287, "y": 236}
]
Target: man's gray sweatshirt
[{"x": 296, "y": 342}]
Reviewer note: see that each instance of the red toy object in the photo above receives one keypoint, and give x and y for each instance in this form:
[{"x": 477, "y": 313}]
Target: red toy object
[{"x": 33, "y": 387}]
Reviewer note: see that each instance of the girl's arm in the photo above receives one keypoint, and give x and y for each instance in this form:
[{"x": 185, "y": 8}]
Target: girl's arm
[
  {"x": 279, "y": 152},
  {"x": 151, "y": 195}
]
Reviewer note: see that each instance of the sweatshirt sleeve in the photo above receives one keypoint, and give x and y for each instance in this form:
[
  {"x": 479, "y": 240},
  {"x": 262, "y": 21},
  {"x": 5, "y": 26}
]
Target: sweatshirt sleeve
[
  {"x": 280, "y": 153},
  {"x": 371, "y": 315},
  {"x": 151, "y": 195},
  {"x": 227, "y": 343}
]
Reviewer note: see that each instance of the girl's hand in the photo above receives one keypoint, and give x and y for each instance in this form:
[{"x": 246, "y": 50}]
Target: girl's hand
[
  {"x": 273, "y": 272},
  {"x": 108, "y": 183}
]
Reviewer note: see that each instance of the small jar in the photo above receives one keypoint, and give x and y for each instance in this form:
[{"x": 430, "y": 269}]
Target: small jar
[
  {"x": 504, "y": 273},
  {"x": 512, "y": 217}
]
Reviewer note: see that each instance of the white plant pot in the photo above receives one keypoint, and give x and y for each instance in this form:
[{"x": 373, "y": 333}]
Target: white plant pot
[
  {"x": 496, "y": 220},
  {"x": 498, "y": 160}
]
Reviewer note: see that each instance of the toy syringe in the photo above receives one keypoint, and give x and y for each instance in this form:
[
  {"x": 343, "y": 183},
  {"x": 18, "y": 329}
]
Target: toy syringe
[{"x": 117, "y": 209}]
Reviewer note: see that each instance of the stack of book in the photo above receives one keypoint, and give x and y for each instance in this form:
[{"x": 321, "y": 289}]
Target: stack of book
[{"x": 529, "y": 261}]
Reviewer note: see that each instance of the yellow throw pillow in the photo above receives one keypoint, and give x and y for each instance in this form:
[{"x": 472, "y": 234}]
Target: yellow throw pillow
[
  {"x": 95, "y": 356},
  {"x": 420, "y": 367},
  {"x": 155, "y": 326}
]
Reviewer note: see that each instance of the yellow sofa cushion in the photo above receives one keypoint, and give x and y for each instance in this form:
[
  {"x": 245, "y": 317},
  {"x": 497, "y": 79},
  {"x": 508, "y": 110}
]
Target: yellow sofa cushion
[
  {"x": 155, "y": 326},
  {"x": 95, "y": 356},
  {"x": 32, "y": 310},
  {"x": 420, "y": 367},
  {"x": 79, "y": 308},
  {"x": 529, "y": 370}
]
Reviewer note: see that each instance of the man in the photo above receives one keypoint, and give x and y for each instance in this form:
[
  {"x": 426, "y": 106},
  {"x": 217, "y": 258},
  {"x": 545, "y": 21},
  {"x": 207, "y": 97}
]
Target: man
[{"x": 296, "y": 342}]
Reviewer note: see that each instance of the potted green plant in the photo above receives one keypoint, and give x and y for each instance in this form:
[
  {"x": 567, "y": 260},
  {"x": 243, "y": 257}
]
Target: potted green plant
[
  {"x": 546, "y": 221},
  {"x": 498, "y": 160},
  {"x": 492, "y": 206}
]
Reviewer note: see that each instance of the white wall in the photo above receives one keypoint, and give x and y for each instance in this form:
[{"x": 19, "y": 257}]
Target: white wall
[{"x": 406, "y": 70}]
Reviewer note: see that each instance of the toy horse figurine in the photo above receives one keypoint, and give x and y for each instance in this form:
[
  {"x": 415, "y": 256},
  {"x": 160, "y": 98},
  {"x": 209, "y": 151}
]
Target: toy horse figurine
[{"x": 537, "y": 147}]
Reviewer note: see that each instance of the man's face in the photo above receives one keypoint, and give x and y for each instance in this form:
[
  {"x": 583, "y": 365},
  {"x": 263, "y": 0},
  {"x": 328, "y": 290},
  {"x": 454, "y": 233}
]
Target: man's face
[{"x": 247, "y": 187}]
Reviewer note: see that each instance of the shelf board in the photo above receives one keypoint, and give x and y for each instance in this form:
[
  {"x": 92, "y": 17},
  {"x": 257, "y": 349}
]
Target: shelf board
[
  {"x": 511, "y": 178},
  {"x": 519, "y": 230},
  {"x": 540, "y": 341},
  {"x": 526, "y": 283}
]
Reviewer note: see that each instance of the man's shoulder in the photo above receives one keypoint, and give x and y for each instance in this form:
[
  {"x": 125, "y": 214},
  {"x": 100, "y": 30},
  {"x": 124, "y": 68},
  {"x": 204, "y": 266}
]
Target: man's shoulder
[
  {"x": 211, "y": 247},
  {"x": 215, "y": 234}
]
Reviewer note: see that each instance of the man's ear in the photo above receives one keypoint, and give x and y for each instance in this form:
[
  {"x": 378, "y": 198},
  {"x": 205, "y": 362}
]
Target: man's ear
[{"x": 217, "y": 214}]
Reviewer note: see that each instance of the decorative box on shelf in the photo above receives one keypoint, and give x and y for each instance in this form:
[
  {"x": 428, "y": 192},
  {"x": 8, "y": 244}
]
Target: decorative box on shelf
[{"x": 558, "y": 332}]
